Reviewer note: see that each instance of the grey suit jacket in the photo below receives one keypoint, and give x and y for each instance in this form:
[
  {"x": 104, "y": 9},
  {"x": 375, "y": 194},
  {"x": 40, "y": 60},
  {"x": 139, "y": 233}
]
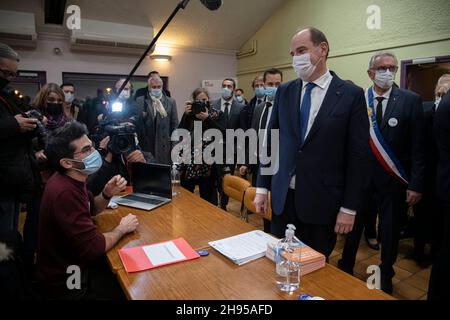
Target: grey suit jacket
[{"x": 155, "y": 132}]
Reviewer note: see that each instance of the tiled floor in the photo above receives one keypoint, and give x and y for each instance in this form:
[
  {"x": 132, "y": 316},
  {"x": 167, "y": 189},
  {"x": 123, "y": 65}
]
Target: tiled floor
[{"x": 410, "y": 281}]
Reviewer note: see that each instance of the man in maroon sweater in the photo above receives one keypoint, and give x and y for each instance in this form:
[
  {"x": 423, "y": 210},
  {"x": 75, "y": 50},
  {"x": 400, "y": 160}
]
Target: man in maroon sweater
[{"x": 68, "y": 236}]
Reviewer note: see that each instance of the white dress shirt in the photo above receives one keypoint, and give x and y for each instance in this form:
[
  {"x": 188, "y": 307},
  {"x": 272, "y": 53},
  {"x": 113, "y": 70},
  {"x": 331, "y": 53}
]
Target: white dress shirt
[
  {"x": 222, "y": 104},
  {"x": 317, "y": 96},
  {"x": 386, "y": 96}
]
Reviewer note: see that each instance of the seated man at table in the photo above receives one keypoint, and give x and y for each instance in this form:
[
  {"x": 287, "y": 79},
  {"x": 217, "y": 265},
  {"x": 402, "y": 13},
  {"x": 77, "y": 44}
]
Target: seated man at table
[{"x": 71, "y": 251}]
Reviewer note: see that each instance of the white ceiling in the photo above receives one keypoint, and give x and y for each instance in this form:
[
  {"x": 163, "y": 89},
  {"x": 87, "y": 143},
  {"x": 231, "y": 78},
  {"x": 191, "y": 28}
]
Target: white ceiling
[{"x": 227, "y": 28}]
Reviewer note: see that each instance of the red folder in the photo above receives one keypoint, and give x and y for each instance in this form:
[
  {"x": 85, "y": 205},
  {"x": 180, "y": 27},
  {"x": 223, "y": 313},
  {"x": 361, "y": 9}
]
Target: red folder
[{"x": 136, "y": 259}]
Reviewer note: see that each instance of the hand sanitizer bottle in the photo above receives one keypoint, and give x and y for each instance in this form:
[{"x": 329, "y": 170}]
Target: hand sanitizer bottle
[{"x": 287, "y": 259}]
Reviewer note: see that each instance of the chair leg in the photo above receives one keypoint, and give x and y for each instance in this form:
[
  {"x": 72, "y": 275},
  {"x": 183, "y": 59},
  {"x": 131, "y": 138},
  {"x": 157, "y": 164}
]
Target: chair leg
[{"x": 244, "y": 215}]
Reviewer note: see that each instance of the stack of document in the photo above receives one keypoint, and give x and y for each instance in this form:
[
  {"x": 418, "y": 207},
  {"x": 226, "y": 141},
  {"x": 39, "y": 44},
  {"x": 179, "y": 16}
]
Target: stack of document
[
  {"x": 310, "y": 259},
  {"x": 245, "y": 247}
]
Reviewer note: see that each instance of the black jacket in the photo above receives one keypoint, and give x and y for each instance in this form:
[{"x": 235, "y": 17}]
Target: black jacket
[
  {"x": 18, "y": 166},
  {"x": 406, "y": 139},
  {"x": 442, "y": 131},
  {"x": 331, "y": 164}
]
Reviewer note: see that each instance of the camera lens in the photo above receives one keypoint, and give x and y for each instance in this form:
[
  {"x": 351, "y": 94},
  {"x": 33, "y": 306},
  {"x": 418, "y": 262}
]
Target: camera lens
[{"x": 123, "y": 144}]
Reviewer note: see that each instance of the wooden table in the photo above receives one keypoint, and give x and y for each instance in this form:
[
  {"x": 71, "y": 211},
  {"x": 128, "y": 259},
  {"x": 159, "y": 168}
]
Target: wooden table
[
  {"x": 187, "y": 216},
  {"x": 213, "y": 277}
]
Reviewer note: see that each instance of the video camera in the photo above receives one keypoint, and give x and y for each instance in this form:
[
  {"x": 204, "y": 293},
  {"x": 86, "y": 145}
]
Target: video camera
[{"x": 119, "y": 128}]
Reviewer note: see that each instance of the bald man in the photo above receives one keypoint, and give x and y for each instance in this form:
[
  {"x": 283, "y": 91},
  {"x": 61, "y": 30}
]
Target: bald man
[{"x": 323, "y": 149}]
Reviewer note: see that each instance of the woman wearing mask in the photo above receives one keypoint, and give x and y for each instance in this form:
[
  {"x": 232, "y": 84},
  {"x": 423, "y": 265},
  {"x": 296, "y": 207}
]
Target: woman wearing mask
[
  {"x": 49, "y": 102},
  {"x": 202, "y": 175}
]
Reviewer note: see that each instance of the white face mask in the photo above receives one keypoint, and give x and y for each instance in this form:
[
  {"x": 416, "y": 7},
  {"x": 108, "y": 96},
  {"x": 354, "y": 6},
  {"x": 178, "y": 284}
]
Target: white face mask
[
  {"x": 69, "y": 97},
  {"x": 125, "y": 94},
  {"x": 303, "y": 66},
  {"x": 384, "y": 80}
]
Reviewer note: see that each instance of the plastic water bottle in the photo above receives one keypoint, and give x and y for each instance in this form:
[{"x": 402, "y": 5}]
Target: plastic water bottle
[
  {"x": 287, "y": 259},
  {"x": 176, "y": 177}
]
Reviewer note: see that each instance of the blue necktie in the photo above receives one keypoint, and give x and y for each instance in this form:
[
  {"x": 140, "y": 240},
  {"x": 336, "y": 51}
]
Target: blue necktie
[{"x": 305, "y": 110}]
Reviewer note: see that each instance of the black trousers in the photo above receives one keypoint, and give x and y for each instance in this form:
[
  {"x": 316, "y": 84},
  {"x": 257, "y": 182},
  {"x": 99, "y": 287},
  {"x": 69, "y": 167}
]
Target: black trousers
[
  {"x": 439, "y": 288},
  {"x": 223, "y": 197},
  {"x": 392, "y": 212},
  {"x": 319, "y": 237},
  {"x": 207, "y": 186}
]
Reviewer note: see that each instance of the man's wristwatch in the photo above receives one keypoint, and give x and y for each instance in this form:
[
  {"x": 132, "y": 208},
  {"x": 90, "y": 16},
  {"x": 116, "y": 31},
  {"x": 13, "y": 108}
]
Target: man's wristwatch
[{"x": 105, "y": 196}]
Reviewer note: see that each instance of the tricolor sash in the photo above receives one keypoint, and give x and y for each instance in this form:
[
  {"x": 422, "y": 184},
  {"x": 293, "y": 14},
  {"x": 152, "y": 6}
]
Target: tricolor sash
[{"x": 380, "y": 148}]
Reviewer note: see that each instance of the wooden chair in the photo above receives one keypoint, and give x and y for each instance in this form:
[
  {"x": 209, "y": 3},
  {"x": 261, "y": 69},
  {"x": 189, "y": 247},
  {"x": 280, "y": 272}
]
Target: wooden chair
[
  {"x": 234, "y": 187},
  {"x": 249, "y": 205}
]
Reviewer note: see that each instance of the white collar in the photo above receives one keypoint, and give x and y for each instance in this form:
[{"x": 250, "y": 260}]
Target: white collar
[
  {"x": 224, "y": 101},
  {"x": 386, "y": 95},
  {"x": 323, "y": 81}
]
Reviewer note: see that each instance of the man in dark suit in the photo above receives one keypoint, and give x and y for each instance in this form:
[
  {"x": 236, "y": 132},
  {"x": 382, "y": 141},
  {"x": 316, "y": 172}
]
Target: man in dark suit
[
  {"x": 440, "y": 280},
  {"x": 261, "y": 116},
  {"x": 144, "y": 92},
  {"x": 428, "y": 218},
  {"x": 323, "y": 136},
  {"x": 400, "y": 120},
  {"x": 247, "y": 113},
  {"x": 230, "y": 118}
]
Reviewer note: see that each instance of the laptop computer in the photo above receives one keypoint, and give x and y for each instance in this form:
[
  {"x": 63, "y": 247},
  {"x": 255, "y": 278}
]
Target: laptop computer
[{"x": 152, "y": 187}]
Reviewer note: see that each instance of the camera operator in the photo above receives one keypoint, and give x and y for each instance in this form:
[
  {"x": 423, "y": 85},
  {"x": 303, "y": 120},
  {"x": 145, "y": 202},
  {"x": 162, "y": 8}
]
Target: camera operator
[
  {"x": 117, "y": 141},
  {"x": 203, "y": 175},
  {"x": 157, "y": 120},
  {"x": 72, "y": 106},
  {"x": 17, "y": 166}
]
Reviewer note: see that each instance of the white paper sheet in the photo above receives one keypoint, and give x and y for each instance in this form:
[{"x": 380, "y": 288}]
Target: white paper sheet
[{"x": 163, "y": 253}]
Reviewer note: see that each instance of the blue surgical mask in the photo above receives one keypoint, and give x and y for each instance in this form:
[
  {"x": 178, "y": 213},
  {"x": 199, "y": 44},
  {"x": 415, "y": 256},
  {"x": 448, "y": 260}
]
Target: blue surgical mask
[
  {"x": 240, "y": 99},
  {"x": 92, "y": 163},
  {"x": 227, "y": 93},
  {"x": 271, "y": 92},
  {"x": 157, "y": 93},
  {"x": 260, "y": 92}
]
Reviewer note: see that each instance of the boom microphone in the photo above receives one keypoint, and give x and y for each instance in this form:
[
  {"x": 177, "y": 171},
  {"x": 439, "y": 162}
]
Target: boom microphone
[{"x": 212, "y": 4}]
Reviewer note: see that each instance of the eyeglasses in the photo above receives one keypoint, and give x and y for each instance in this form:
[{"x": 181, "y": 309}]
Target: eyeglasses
[
  {"x": 8, "y": 74},
  {"x": 392, "y": 69},
  {"x": 85, "y": 150}
]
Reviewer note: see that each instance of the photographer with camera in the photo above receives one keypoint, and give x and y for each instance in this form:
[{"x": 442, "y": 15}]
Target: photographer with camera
[
  {"x": 203, "y": 175},
  {"x": 17, "y": 164},
  {"x": 116, "y": 140},
  {"x": 157, "y": 120}
]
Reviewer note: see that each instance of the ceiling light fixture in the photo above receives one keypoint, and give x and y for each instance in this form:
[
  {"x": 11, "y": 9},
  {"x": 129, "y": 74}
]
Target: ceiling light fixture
[{"x": 161, "y": 57}]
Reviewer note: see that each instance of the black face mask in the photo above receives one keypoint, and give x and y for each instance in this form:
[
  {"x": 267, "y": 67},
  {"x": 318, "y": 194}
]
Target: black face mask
[
  {"x": 3, "y": 83},
  {"x": 54, "y": 109}
]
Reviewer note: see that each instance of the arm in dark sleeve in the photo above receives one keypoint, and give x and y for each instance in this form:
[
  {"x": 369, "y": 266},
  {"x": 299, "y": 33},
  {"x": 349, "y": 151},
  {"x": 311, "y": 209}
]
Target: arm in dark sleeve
[
  {"x": 75, "y": 222},
  {"x": 357, "y": 154},
  {"x": 185, "y": 122},
  {"x": 417, "y": 146},
  {"x": 9, "y": 127}
]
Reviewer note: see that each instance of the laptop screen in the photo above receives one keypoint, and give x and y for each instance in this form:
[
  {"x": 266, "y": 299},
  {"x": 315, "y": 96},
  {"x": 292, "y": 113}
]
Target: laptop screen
[{"x": 152, "y": 179}]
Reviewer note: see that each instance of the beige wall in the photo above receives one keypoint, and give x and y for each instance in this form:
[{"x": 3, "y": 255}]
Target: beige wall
[
  {"x": 410, "y": 28},
  {"x": 186, "y": 70}
]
